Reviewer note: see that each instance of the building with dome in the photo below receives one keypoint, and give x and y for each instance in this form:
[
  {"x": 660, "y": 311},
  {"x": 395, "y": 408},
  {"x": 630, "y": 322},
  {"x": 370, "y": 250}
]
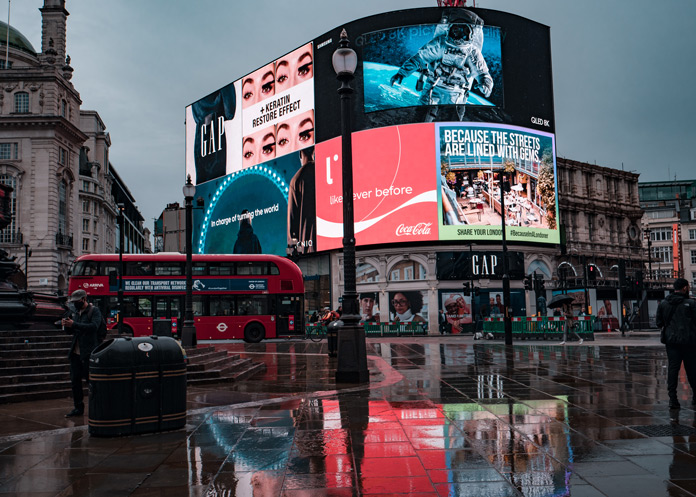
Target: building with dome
[{"x": 55, "y": 156}]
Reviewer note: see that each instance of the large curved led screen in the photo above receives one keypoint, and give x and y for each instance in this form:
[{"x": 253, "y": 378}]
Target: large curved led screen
[{"x": 451, "y": 107}]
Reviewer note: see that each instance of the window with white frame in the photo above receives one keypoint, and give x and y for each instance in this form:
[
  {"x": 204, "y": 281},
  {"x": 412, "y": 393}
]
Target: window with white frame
[
  {"x": 692, "y": 234},
  {"x": 661, "y": 214},
  {"x": 62, "y": 156},
  {"x": 9, "y": 151},
  {"x": 660, "y": 234},
  {"x": 662, "y": 254},
  {"x": 85, "y": 185},
  {"x": 693, "y": 257},
  {"x": 21, "y": 101},
  {"x": 7, "y": 235},
  {"x": 85, "y": 224},
  {"x": 63, "y": 108},
  {"x": 395, "y": 275},
  {"x": 85, "y": 244},
  {"x": 85, "y": 206}
]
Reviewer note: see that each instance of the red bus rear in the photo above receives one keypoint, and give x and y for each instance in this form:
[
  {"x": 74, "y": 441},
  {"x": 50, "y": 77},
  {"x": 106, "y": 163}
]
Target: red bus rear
[{"x": 248, "y": 297}]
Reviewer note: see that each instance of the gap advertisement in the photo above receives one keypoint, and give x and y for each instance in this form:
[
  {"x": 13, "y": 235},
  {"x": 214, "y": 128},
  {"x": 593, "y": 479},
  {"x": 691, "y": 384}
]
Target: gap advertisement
[
  {"x": 478, "y": 161},
  {"x": 266, "y": 114},
  {"x": 394, "y": 187},
  {"x": 454, "y": 62}
]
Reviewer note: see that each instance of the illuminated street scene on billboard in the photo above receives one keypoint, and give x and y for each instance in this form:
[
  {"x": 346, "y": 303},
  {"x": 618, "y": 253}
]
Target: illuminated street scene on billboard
[{"x": 473, "y": 160}]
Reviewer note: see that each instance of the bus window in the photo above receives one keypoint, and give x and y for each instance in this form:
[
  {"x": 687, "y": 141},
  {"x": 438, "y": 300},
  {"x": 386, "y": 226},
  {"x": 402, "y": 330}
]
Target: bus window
[
  {"x": 160, "y": 307},
  {"x": 85, "y": 268},
  {"x": 222, "y": 305},
  {"x": 254, "y": 268},
  {"x": 273, "y": 269},
  {"x": 199, "y": 269},
  {"x": 138, "y": 269},
  {"x": 106, "y": 268},
  {"x": 198, "y": 305},
  {"x": 144, "y": 307},
  {"x": 253, "y": 305},
  {"x": 168, "y": 269},
  {"x": 221, "y": 268}
]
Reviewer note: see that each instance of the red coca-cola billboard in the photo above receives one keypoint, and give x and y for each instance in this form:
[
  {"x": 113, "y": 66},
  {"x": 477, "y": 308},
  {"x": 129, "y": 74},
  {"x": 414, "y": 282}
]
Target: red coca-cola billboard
[{"x": 394, "y": 187}]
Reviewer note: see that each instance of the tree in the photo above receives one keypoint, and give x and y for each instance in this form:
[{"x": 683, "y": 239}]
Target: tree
[{"x": 547, "y": 189}]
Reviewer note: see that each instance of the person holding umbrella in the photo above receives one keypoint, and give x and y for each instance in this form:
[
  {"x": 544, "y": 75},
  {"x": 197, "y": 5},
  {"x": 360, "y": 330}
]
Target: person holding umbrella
[{"x": 564, "y": 302}]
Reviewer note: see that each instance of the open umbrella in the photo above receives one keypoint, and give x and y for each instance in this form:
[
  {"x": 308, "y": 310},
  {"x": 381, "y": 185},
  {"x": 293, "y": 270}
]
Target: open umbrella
[
  {"x": 560, "y": 301},
  {"x": 517, "y": 188}
]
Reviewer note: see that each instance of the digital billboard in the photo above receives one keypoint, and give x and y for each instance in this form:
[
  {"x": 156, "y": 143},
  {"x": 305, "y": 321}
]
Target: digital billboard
[
  {"x": 445, "y": 100},
  {"x": 480, "y": 162}
]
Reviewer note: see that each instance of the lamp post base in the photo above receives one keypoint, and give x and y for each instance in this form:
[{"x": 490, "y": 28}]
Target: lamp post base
[
  {"x": 188, "y": 335},
  {"x": 352, "y": 356}
]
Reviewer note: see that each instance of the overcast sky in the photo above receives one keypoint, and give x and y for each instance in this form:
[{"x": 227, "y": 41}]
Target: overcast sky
[{"x": 624, "y": 73}]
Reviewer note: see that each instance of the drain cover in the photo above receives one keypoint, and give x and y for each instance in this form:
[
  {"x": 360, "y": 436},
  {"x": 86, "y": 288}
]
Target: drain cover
[{"x": 665, "y": 430}]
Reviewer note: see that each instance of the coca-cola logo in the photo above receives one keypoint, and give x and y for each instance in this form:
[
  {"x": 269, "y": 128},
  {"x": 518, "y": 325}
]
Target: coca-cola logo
[{"x": 413, "y": 230}]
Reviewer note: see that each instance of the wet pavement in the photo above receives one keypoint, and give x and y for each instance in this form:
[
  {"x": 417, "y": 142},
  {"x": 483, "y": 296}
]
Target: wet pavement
[{"x": 442, "y": 416}]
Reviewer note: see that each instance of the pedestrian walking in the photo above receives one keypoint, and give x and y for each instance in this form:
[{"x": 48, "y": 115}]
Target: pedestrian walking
[
  {"x": 84, "y": 325},
  {"x": 569, "y": 324},
  {"x": 676, "y": 315}
]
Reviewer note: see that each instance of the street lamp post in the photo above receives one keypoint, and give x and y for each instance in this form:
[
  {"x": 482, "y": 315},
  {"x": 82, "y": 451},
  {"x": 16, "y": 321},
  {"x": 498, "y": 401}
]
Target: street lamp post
[
  {"x": 352, "y": 353},
  {"x": 188, "y": 332},
  {"x": 507, "y": 319},
  {"x": 121, "y": 208}
]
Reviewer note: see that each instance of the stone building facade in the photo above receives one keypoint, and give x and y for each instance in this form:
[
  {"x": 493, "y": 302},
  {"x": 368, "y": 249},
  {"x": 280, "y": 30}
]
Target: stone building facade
[
  {"x": 601, "y": 216},
  {"x": 55, "y": 157}
]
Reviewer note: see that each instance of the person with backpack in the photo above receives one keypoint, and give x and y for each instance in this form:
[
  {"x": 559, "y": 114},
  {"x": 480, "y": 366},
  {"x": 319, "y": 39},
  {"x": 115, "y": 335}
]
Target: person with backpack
[
  {"x": 676, "y": 315},
  {"x": 84, "y": 324}
]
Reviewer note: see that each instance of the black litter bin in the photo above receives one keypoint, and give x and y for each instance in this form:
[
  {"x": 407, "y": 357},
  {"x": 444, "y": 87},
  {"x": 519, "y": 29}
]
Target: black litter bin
[
  {"x": 137, "y": 385},
  {"x": 332, "y": 336},
  {"x": 162, "y": 327}
]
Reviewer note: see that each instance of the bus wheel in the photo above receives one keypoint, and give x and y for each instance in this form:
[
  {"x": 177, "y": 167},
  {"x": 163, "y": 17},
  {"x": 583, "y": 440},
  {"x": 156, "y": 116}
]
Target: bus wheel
[
  {"x": 254, "y": 333},
  {"x": 127, "y": 331}
]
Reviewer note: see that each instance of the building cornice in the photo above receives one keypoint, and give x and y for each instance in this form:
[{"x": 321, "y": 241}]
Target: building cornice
[{"x": 18, "y": 121}]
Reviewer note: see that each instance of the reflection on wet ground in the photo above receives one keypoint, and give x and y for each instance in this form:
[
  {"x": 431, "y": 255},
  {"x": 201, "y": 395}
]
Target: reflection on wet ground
[{"x": 441, "y": 416}]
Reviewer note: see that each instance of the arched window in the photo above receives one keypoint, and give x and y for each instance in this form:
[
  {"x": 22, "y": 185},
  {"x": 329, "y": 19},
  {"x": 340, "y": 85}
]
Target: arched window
[
  {"x": 21, "y": 101},
  {"x": 10, "y": 234},
  {"x": 366, "y": 273},
  {"x": 62, "y": 208},
  {"x": 539, "y": 266},
  {"x": 407, "y": 271}
]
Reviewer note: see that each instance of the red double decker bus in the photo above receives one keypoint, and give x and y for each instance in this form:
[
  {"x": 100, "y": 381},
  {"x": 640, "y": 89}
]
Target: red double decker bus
[{"x": 248, "y": 297}]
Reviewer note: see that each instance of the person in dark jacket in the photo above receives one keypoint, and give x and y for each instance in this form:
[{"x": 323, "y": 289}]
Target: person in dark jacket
[
  {"x": 677, "y": 314},
  {"x": 83, "y": 324}
]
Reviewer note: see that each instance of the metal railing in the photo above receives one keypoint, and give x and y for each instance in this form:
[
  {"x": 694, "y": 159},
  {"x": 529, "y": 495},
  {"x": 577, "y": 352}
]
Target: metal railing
[
  {"x": 390, "y": 329},
  {"x": 64, "y": 240}
]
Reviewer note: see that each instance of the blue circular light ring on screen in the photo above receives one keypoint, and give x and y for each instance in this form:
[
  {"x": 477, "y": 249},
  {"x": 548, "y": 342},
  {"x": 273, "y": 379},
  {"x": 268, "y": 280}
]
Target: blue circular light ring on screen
[{"x": 258, "y": 170}]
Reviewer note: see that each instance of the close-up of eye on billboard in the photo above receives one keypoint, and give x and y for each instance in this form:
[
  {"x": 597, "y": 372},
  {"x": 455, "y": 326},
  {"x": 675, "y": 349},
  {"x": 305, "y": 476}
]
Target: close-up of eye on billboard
[
  {"x": 266, "y": 114},
  {"x": 445, "y": 101}
]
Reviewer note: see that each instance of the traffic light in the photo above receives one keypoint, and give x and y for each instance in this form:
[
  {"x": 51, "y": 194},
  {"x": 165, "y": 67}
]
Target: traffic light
[
  {"x": 539, "y": 284},
  {"x": 639, "y": 281},
  {"x": 466, "y": 288},
  {"x": 528, "y": 285},
  {"x": 591, "y": 272}
]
